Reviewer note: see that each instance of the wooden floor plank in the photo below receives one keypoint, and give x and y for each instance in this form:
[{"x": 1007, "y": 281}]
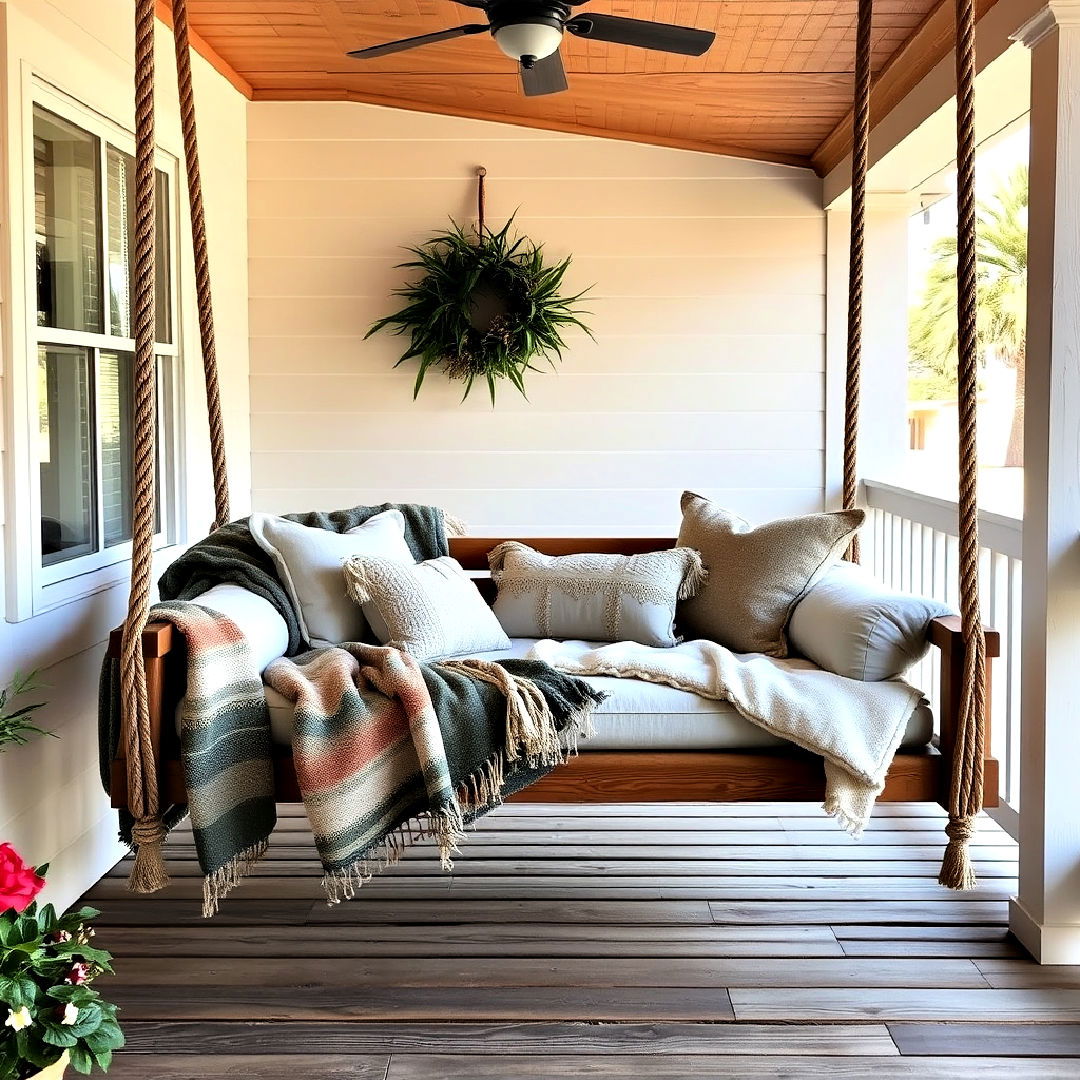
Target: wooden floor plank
[
  {"x": 282, "y": 1067},
  {"x": 680, "y": 1067},
  {"x": 1021, "y": 974},
  {"x": 538, "y": 940},
  {"x": 834, "y": 913},
  {"x": 431, "y": 1004},
  {"x": 256, "y": 1039},
  {"x": 924, "y": 1003},
  {"x": 355, "y": 974},
  {"x": 995, "y": 1040}
]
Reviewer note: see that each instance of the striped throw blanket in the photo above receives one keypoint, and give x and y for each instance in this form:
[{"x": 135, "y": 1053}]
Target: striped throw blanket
[{"x": 387, "y": 750}]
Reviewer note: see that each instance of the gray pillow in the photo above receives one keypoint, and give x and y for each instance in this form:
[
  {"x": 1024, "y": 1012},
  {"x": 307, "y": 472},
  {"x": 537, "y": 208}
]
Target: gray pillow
[
  {"x": 429, "y": 610},
  {"x": 756, "y": 574},
  {"x": 852, "y": 625},
  {"x": 593, "y": 597}
]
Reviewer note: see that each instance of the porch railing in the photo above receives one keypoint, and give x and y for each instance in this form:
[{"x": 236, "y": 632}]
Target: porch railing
[{"x": 911, "y": 544}]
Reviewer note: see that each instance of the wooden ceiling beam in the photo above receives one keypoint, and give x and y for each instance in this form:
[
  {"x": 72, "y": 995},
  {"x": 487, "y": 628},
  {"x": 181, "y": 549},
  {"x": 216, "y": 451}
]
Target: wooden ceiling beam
[{"x": 919, "y": 55}]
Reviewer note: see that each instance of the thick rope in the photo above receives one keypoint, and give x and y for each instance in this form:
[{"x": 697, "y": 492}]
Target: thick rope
[
  {"x": 148, "y": 873},
  {"x": 860, "y": 151},
  {"x": 481, "y": 200},
  {"x": 966, "y": 787},
  {"x": 202, "y": 263}
]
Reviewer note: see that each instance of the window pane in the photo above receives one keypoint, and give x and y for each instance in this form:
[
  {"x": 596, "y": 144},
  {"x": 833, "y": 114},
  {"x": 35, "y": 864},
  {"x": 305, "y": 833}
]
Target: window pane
[
  {"x": 66, "y": 224},
  {"x": 65, "y": 410},
  {"x": 120, "y": 169},
  {"x": 116, "y": 417},
  {"x": 115, "y": 421}
]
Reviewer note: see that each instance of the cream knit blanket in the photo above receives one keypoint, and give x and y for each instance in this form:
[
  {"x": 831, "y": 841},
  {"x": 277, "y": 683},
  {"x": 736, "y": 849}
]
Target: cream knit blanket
[{"x": 855, "y": 726}]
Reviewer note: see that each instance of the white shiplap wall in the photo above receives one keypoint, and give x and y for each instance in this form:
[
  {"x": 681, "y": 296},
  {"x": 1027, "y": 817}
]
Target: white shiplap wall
[{"x": 708, "y": 309}]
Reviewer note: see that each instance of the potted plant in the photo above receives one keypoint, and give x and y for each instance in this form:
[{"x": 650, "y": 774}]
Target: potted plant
[
  {"x": 50, "y": 1015},
  {"x": 50, "y": 1012}
]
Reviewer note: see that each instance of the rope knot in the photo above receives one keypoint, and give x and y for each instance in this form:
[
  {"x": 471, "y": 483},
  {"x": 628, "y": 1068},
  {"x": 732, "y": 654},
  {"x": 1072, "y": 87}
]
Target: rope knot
[
  {"x": 960, "y": 828},
  {"x": 148, "y": 830}
]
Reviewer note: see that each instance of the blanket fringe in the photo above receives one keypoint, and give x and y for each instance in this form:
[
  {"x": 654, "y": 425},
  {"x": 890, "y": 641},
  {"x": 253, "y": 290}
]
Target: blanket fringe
[
  {"x": 446, "y": 826},
  {"x": 221, "y": 882},
  {"x": 851, "y": 825},
  {"x": 531, "y": 731}
]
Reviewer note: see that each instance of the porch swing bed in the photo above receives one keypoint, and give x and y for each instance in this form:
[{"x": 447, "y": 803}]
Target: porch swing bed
[{"x": 654, "y": 743}]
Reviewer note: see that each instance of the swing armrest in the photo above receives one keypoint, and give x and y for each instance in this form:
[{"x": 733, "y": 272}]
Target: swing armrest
[
  {"x": 158, "y": 641},
  {"x": 946, "y": 634}
]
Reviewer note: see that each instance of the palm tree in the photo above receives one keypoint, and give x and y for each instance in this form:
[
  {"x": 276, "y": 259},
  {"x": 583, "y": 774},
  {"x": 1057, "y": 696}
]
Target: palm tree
[{"x": 1001, "y": 244}]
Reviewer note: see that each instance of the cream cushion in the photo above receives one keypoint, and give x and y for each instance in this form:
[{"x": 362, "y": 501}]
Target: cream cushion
[
  {"x": 756, "y": 574},
  {"x": 851, "y": 624},
  {"x": 592, "y": 597},
  {"x": 309, "y": 562},
  {"x": 644, "y": 716},
  {"x": 255, "y": 617},
  {"x": 429, "y": 610}
]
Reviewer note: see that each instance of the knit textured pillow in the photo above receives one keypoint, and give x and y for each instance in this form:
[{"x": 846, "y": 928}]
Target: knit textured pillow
[
  {"x": 429, "y": 610},
  {"x": 756, "y": 574},
  {"x": 593, "y": 597}
]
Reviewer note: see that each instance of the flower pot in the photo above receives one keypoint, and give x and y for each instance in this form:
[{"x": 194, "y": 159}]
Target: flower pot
[{"x": 54, "y": 1071}]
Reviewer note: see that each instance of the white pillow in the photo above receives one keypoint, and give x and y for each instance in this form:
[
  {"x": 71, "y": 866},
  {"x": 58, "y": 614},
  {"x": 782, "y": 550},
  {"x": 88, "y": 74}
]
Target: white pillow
[
  {"x": 429, "y": 610},
  {"x": 593, "y": 597},
  {"x": 255, "y": 617},
  {"x": 309, "y": 562},
  {"x": 852, "y": 625}
]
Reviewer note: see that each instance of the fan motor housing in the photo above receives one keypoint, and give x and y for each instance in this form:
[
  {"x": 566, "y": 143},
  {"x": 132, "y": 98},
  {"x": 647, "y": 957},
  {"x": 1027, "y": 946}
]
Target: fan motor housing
[{"x": 513, "y": 12}]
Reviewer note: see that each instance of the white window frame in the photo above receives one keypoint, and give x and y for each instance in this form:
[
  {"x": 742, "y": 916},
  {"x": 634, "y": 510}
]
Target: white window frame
[{"x": 63, "y": 582}]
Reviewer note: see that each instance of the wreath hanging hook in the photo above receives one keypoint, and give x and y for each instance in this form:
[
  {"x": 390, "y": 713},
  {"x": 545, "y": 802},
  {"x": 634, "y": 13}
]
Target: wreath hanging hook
[{"x": 481, "y": 199}]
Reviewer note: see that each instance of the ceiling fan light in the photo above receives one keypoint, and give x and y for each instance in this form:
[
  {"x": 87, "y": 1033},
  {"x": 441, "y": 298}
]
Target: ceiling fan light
[{"x": 528, "y": 39}]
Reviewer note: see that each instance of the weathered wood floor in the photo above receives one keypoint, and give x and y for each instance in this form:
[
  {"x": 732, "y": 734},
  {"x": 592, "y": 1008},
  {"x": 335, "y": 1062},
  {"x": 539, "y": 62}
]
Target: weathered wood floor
[{"x": 751, "y": 940}]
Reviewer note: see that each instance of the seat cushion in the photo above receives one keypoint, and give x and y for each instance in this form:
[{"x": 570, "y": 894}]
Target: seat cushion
[{"x": 646, "y": 716}]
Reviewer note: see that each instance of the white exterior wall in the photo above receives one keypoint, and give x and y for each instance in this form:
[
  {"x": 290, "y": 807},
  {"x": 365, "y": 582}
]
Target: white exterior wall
[
  {"x": 51, "y": 803},
  {"x": 708, "y": 308}
]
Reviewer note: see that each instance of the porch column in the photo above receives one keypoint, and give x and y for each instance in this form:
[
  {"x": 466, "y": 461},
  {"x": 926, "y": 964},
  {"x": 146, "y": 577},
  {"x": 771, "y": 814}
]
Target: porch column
[{"x": 1045, "y": 916}]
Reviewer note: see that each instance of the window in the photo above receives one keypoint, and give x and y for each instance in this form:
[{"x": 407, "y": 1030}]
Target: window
[{"x": 83, "y": 222}]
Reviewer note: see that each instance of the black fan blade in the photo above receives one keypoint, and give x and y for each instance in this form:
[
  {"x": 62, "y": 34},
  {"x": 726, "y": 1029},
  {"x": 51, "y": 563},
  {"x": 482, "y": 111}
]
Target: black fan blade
[
  {"x": 546, "y": 76},
  {"x": 413, "y": 42},
  {"x": 663, "y": 37}
]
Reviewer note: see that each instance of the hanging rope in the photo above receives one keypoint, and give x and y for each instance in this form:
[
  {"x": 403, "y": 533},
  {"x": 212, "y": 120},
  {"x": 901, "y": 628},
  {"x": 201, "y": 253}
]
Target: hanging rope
[
  {"x": 202, "y": 263},
  {"x": 148, "y": 873},
  {"x": 966, "y": 787},
  {"x": 860, "y": 150},
  {"x": 481, "y": 199}
]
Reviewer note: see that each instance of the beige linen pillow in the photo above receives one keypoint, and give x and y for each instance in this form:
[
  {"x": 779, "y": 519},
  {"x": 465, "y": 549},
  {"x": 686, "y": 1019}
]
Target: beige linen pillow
[
  {"x": 309, "y": 562},
  {"x": 593, "y": 597},
  {"x": 429, "y": 610},
  {"x": 756, "y": 575}
]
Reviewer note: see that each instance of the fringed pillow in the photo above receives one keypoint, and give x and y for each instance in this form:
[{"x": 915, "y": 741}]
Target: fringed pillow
[
  {"x": 593, "y": 597},
  {"x": 429, "y": 610}
]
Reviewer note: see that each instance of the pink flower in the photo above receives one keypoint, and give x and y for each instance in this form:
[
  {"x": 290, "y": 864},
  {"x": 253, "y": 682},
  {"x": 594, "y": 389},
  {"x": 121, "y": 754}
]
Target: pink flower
[
  {"x": 78, "y": 974},
  {"x": 19, "y": 883}
]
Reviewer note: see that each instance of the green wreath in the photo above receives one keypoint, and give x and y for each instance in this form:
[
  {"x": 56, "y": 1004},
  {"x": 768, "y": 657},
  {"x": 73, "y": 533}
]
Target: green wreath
[{"x": 485, "y": 308}]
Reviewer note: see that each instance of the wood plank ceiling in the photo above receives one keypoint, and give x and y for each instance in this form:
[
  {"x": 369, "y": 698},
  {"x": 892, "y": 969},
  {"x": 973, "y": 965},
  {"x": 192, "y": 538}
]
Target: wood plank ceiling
[{"x": 776, "y": 84}]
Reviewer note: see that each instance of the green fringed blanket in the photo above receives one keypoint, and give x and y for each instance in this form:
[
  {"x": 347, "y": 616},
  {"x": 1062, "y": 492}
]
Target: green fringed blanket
[{"x": 387, "y": 750}]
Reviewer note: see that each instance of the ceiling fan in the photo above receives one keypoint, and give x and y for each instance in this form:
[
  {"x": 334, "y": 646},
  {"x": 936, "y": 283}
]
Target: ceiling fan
[{"x": 530, "y": 32}]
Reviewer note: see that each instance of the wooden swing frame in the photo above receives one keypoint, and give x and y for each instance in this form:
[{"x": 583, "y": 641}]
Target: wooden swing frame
[{"x": 956, "y": 770}]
